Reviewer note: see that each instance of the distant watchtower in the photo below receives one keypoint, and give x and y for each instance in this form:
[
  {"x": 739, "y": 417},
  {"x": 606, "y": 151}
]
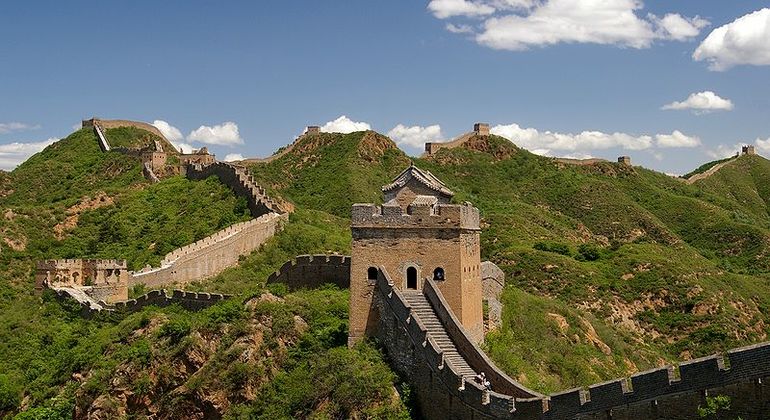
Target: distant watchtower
[
  {"x": 748, "y": 150},
  {"x": 481, "y": 129},
  {"x": 312, "y": 129},
  {"x": 625, "y": 160},
  {"x": 416, "y": 234}
]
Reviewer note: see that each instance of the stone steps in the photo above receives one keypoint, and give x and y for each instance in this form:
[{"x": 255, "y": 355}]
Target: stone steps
[{"x": 421, "y": 309}]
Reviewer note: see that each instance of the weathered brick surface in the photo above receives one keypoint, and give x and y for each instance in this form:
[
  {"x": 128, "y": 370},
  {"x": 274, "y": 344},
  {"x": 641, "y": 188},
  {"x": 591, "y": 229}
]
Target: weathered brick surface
[{"x": 311, "y": 271}]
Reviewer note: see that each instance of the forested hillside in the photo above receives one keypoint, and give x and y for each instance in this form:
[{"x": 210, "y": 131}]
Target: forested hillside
[{"x": 611, "y": 269}]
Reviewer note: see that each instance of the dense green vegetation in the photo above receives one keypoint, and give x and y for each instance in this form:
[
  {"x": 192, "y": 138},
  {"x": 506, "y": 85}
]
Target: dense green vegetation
[
  {"x": 610, "y": 269},
  {"x": 329, "y": 172},
  {"x": 135, "y": 138}
]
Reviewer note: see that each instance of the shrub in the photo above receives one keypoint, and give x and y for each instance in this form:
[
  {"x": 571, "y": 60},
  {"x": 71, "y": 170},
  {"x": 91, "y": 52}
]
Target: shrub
[
  {"x": 175, "y": 329},
  {"x": 554, "y": 247},
  {"x": 9, "y": 393},
  {"x": 588, "y": 252}
]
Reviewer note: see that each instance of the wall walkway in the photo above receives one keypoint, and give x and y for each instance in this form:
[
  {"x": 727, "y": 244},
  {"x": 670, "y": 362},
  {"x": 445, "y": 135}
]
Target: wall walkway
[
  {"x": 211, "y": 255},
  {"x": 189, "y": 300}
]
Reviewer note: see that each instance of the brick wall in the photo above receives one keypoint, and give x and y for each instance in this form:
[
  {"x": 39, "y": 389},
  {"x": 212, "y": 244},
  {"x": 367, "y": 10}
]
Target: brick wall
[
  {"x": 311, "y": 271},
  {"x": 211, "y": 255}
]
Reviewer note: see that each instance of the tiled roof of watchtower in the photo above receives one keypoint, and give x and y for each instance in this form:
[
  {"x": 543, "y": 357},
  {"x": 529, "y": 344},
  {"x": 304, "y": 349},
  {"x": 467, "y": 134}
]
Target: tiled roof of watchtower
[{"x": 424, "y": 177}]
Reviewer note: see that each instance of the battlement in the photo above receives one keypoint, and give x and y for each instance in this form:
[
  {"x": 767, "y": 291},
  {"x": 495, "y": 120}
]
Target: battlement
[
  {"x": 624, "y": 160},
  {"x": 437, "y": 216},
  {"x": 312, "y": 129},
  {"x": 748, "y": 150},
  {"x": 310, "y": 271}
]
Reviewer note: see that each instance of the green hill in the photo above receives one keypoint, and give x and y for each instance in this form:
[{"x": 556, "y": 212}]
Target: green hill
[{"x": 611, "y": 269}]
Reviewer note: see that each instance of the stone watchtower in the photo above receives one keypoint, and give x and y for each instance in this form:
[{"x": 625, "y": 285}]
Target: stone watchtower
[{"x": 416, "y": 235}]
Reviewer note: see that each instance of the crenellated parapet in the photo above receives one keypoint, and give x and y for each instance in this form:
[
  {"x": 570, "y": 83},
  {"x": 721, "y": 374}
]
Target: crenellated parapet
[
  {"x": 243, "y": 184},
  {"x": 192, "y": 301},
  {"x": 437, "y": 216},
  {"x": 311, "y": 271},
  {"x": 211, "y": 255}
]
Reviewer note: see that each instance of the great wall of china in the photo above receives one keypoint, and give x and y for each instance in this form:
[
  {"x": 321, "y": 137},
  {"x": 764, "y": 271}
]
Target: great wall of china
[
  {"x": 428, "y": 344},
  {"x": 94, "y": 284}
]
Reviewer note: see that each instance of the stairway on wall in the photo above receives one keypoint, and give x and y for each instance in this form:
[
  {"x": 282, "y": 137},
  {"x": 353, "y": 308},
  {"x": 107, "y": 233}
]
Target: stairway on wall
[{"x": 422, "y": 308}]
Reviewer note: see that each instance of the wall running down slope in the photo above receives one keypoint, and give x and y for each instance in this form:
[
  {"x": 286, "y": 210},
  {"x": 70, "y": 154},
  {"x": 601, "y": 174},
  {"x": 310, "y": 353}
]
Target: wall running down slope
[
  {"x": 665, "y": 393},
  {"x": 211, "y": 255}
]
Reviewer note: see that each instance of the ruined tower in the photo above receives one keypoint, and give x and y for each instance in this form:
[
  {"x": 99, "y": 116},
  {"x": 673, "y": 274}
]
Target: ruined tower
[{"x": 416, "y": 234}]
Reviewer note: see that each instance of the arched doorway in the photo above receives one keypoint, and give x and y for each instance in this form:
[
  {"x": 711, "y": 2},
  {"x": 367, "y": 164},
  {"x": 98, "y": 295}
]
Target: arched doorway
[{"x": 411, "y": 278}]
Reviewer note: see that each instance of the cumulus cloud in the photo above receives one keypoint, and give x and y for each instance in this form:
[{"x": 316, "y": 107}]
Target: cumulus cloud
[
  {"x": 578, "y": 146},
  {"x": 724, "y": 151},
  {"x": 11, "y": 127},
  {"x": 414, "y": 136},
  {"x": 443, "y": 9},
  {"x": 521, "y": 24},
  {"x": 459, "y": 29},
  {"x": 546, "y": 141},
  {"x": 233, "y": 156},
  {"x": 745, "y": 40},
  {"x": 676, "y": 139},
  {"x": 702, "y": 102},
  {"x": 343, "y": 124},
  {"x": 12, "y": 154},
  {"x": 763, "y": 145},
  {"x": 225, "y": 134},
  {"x": 183, "y": 147},
  {"x": 169, "y": 131}
]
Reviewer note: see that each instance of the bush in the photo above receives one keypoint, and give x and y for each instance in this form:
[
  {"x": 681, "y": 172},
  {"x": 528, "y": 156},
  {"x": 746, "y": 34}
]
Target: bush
[
  {"x": 555, "y": 247},
  {"x": 588, "y": 252},
  {"x": 10, "y": 393},
  {"x": 175, "y": 329}
]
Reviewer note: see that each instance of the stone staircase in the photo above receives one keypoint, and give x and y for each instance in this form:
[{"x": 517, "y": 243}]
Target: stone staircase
[{"x": 422, "y": 309}]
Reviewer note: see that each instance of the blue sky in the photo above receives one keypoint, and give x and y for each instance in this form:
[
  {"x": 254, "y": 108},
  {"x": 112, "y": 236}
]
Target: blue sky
[{"x": 560, "y": 77}]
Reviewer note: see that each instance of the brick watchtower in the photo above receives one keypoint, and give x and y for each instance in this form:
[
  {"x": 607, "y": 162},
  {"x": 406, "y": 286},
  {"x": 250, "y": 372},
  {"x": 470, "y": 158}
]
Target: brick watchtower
[{"x": 415, "y": 235}]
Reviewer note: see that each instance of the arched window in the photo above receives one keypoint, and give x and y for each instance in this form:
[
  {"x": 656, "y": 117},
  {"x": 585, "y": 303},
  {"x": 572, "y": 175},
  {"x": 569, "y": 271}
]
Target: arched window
[
  {"x": 438, "y": 274},
  {"x": 411, "y": 278},
  {"x": 371, "y": 274}
]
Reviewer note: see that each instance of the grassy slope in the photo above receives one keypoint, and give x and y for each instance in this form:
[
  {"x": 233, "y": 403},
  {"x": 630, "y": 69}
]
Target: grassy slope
[
  {"x": 135, "y": 138},
  {"x": 53, "y": 360},
  {"x": 672, "y": 279}
]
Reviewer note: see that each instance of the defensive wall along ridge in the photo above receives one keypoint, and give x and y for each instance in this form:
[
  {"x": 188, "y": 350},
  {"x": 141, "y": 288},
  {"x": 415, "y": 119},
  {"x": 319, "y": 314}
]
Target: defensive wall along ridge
[
  {"x": 413, "y": 342},
  {"x": 311, "y": 271},
  {"x": 211, "y": 255},
  {"x": 192, "y": 301}
]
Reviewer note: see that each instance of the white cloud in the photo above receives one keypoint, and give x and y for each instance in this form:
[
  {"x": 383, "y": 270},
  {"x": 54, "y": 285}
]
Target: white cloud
[
  {"x": 459, "y": 29},
  {"x": 415, "y": 136},
  {"x": 169, "y": 131},
  {"x": 677, "y": 139},
  {"x": 11, "y": 127},
  {"x": 225, "y": 134},
  {"x": 233, "y": 156},
  {"x": 675, "y": 27},
  {"x": 12, "y": 154},
  {"x": 343, "y": 124},
  {"x": 723, "y": 151},
  {"x": 521, "y": 24},
  {"x": 547, "y": 141},
  {"x": 745, "y": 40},
  {"x": 183, "y": 147},
  {"x": 763, "y": 145},
  {"x": 702, "y": 102},
  {"x": 443, "y": 9}
]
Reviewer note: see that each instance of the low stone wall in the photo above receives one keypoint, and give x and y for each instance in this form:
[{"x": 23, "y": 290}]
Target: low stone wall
[
  {"x": 211, "y": 255},
  {"x": 191, "y": 301},
  {"x": 676, "y": 393},
  {"x": 242, "y": 183},
  {"x": 311, "y": 271}
]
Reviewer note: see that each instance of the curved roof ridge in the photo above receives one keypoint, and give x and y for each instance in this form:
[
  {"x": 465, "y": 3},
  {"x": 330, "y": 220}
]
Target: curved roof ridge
[{"x": 422, "y": 176}]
